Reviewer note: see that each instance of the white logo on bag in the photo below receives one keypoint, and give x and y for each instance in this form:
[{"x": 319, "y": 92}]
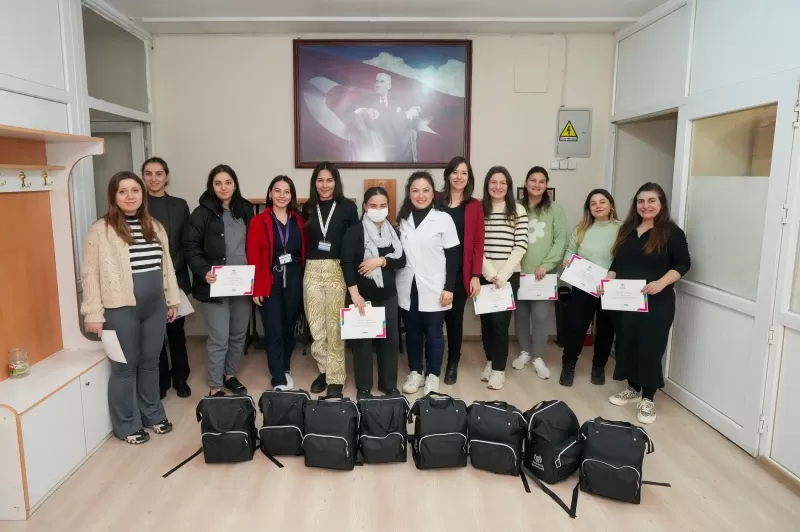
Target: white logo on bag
[
  {"x": 537, "y": 462},
  {"x": 537, "y": 458}
]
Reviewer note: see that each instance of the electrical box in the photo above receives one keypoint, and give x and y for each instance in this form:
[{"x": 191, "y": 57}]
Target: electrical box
[{"x": 574, "y": 132}]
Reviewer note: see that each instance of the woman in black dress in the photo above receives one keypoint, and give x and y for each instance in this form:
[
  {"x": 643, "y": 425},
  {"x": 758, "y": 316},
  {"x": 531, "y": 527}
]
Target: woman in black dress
[{"x": 651, "y": 247}]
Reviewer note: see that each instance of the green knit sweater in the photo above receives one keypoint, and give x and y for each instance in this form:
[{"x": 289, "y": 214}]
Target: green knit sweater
[
  {"x": 547, "y": 239},
  {"x": 596, "y": 244}
]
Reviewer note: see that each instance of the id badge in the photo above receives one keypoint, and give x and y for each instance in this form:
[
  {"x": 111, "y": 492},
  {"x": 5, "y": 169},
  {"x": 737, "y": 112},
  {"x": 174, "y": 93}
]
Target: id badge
[
  {"x": 324, "y": 246},
  {"x": 286, "y": 258}
]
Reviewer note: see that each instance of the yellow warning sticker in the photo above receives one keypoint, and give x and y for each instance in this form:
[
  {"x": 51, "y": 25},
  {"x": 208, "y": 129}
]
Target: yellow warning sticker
[{"x": 568, "y": 133}]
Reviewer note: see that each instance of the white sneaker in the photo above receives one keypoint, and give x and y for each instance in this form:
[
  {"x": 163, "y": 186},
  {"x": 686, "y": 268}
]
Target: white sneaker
[
  {"x": 541, "y": 368},
  {"x": 413, "y": 382},
  {"x": 281, "y": 388},
  {"x": 520, "y": 362},
  {"x": 289, "y": 381},
  {"x": 647, "y": 411},
  {"x": 487, "y": 371},
  {"x": 431, "y": 384},
  {"x": 496, "y": 380},
  {"x": 628, "y": 395}
]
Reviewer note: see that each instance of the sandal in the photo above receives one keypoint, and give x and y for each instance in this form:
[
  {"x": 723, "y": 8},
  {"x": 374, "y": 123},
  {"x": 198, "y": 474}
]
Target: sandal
[
  {"x": 138, "y": 437},
  {"x": 162, "y": 427}
]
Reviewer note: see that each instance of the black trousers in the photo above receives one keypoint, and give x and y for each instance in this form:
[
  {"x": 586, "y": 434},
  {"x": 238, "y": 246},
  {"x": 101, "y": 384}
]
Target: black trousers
[
  {"x": 454, "y": 321},
  {"x": 176, "y": 342},
  {"x": 494, "y": 331},
  {"x": 386, "y": 348},
  {"x": 279, "y": 313},
  {"x": 582, "y": 307}
]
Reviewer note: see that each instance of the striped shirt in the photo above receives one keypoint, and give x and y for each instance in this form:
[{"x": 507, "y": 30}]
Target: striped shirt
[
  {"x": 505, "y": 241},
  {"x": 144, "y": 257}
]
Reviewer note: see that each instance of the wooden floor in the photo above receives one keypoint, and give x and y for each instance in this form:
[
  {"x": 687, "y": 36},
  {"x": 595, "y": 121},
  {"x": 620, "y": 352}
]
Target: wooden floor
[{"x": 715, "y": 485}]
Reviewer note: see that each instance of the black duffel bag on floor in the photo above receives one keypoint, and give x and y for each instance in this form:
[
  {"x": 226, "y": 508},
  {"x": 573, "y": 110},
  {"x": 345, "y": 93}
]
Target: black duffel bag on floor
[
  {"x": 284, "y": 423},
  {"x": 496, "y": 435},
  {"x": 330, "y": 439},
  {"x": 228, "y": 427},
  {"x": 440, "y": 431},
  {"x": 553, "y": 442},
  {"x": 383, "y": 433}
]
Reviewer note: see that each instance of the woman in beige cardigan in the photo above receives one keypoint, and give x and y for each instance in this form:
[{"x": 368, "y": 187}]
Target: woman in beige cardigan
[{"x": 129, "y": 287}]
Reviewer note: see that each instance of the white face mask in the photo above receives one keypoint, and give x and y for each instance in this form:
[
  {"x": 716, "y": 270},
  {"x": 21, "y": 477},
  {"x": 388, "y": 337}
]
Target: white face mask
[{"x": 377, "y": 215}]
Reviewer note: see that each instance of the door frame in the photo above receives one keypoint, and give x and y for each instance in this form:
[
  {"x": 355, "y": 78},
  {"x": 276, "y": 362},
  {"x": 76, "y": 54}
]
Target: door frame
[
  {"x": 781, "y": 89},
  {"x": 137, "y": 132}
]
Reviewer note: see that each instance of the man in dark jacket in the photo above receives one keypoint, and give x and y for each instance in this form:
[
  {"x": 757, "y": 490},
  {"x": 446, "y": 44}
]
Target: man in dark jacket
[{"x": 172, "y": 213}]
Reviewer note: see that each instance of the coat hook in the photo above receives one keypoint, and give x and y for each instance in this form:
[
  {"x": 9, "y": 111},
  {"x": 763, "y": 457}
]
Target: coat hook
[
  {"x": 44, "y": 179},
  {"x": 22, "y": 180}
]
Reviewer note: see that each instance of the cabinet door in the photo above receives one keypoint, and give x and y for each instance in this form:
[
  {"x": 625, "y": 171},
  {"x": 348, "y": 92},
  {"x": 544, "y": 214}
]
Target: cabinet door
[
  {"x": 52, "y": 436},
  {"x": 94, "y": 396}
]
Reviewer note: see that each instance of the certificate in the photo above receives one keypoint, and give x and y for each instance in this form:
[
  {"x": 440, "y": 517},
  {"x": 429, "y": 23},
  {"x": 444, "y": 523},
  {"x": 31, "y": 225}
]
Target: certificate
[
  {"x": 355, "y": 326},
  {"x": 583, "y": 274},
  {"x": 530, "y": 288},
  {"x": 184, "y": 307},
  {"x": 233, "y": 281},
  {"x": 112, "y": 346},
  {"x": 493, "y": 299},
  {"x": 624, "y": 294}
]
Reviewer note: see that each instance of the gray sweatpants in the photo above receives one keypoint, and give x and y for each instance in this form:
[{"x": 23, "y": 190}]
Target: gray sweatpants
[
  {"x": 531, "y": 324},
  {"x": 226, "y": 322},
  {"x": 133, "y": 392}
]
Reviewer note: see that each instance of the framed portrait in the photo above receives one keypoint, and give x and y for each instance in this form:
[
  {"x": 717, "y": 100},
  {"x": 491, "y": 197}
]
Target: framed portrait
[
  {"x": 380, "y": 103},
  {"x": 550, "y": 192}
]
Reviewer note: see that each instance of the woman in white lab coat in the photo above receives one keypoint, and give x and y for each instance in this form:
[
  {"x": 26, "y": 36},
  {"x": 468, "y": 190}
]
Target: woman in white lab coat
[{"x": 425, "y": 285}]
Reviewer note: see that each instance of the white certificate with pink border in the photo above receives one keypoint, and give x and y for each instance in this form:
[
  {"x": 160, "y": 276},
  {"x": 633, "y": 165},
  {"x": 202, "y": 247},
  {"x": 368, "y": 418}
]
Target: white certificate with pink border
[
  {"x": 624, "y": 294},
  {"x": 583, "y": 274}
]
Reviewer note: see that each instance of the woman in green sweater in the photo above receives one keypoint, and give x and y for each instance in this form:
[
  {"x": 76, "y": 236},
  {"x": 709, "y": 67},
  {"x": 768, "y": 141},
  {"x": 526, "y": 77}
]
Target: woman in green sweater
[
  {"x": 592, "y": 240},
  {"x": 547, "y": 239}
]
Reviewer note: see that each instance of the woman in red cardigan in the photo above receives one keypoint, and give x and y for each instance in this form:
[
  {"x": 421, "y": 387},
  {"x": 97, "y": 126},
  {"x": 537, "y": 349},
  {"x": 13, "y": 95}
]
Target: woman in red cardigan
[
  {"x": 467, "y": 213},
  {"x": 276, "y": 246}
]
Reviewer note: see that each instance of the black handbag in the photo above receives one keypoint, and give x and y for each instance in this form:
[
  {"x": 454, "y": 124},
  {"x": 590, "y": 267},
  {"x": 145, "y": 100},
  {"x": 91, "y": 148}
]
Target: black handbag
[
  {"x": 284, "y": 423},
  {"x": 383, "y": 434},
  {"x": 496, "y": 436},
  {"x": 553, "y": 444},
  {"x": 331, "y": 431},
  {"x": 440, "y": 432},
  {"x": 228, "y": 428}
]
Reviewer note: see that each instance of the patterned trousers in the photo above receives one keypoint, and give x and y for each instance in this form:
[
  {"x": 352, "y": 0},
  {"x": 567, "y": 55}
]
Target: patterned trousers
[{"x": 323, "y": 296}]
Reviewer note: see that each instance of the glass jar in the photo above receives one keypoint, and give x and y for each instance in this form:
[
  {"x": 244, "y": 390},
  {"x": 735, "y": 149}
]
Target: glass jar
[{"x": 18, "y": 366}]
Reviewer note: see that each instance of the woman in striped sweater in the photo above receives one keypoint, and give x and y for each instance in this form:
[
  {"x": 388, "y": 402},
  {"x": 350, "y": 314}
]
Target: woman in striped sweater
[{"x": 506, "y": 239}]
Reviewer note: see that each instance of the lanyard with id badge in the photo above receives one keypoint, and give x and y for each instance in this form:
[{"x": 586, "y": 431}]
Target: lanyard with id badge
[
  {"x": 323, "y": 244},
  {"x": 285, "y": 258}
]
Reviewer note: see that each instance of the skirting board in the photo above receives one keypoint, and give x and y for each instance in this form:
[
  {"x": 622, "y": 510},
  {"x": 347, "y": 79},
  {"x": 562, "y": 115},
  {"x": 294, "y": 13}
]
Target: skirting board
[{"x": 780, "y": 474}]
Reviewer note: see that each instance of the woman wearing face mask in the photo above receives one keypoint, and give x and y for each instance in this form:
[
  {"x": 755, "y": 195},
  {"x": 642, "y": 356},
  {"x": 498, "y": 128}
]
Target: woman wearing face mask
[
  {"x": 172, "y": 212},
  {"x": 425, "y": 284},
  {"x": 328, "y": 216},
  {"x": 129, "y": 287},
  {"x": 547, "y": 240},
  {"x": 371, "y": 253},
  {"x": 591, "y": 240},
  {"x": 505, "y": 245},
  {"x": 216, "y": 235},
  {"x": 467, "y": 214},
  {"x": 276, "y": 246},
  {"x": 651, "y": 247}
]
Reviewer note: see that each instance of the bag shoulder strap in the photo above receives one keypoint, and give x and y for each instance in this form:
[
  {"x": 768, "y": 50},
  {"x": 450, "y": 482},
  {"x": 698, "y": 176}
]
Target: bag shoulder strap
[{"x": 569, "y": 509}]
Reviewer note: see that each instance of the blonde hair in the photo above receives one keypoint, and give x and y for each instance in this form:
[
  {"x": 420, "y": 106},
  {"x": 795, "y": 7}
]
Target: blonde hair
[{"x": 588, "y": 220}]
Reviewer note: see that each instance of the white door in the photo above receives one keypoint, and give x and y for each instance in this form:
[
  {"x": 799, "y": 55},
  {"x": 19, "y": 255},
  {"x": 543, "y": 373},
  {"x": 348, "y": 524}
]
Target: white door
[{"x": 734, "y": 151}]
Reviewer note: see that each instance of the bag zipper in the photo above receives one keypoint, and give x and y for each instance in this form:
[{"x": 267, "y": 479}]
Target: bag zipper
[
  {"x": 558, "y": 458},
  {"x": 221, "y": 433},
  {"x": 497, "y": 443},
  {"x": 419, "y": 443},
  {"x": 638, "y": 475},
  {"x": 346, "y": 444},
  {"x": 501, "y": 410},
  {"x": 385, "y": 399},
  {"x": 530, "y": 423},
  {"x": 295, "y": 427},
  {"x": 403, "y": 443}
]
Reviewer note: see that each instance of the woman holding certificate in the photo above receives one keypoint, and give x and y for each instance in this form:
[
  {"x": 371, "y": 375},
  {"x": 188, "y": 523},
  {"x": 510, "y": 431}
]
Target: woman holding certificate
[
  {"x": 506, "y": 241},
  {"x": 650, "y": 247},
  {"x": 547, "y": 240},
  {"x": 425, "y": 285},
  {"x": 215, "y": 235},
  {"x": 467, "y": 213},
  {"x": 276, "y": 246},
  {"x": 591, "y": 241},
  {"x": 371, "y": 253},
  {"x": 328, "y": 216}
]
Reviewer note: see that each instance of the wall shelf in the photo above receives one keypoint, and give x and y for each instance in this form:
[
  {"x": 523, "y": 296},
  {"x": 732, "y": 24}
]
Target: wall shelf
[{"x": 4, "y": 166}]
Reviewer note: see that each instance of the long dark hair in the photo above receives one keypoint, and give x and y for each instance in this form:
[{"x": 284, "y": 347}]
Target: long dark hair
[
  {"x": 313, "y": 195},
  {"x": 371, "y": 192},
  {"x": 588, "y": 220},
  {"x": 115, "y": 218},
  {"x": 156, "y": 160},
  {"x": 405, "y": 209},
  {"x": 544, "y": 204},
  {"x": 236, "y": 198},
  {"x": 511, "y": 204},
  {"x": 293, "y": 202},
  {"x": 454, "y": 163},
  {"x": 657, "y": 240}
]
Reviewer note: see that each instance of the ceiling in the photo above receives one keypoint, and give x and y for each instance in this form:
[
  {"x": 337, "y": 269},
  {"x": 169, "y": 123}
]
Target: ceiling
[{"x": 378, "y": 16}]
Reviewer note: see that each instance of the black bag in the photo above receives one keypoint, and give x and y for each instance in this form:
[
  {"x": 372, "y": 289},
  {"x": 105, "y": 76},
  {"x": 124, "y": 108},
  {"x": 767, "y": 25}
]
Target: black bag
[
  {"x": 383, "y": 433},
  {"x": 613, "y": 454},
  {"x": 553, "y": 442},
  {"x": 228, "y": 427},
  {"x": 331, "y": 429},
  {"x": 284, "y": 425},
  {"x": 440, "y": 431},
  {"x": 496, "y": 436}
]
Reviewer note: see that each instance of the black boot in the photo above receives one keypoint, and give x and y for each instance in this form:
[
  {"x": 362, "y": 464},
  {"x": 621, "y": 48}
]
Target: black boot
[
  {"x": 598, "y": 375},
  {"x": 363, "y": 394},
  {"x": 335, "y": 390},
  {"x": 319, "y": 384},
  {"x": 451, "y": 374},
  {"x": 182, "y": 388},
  {"x": 567, "y": 375}
]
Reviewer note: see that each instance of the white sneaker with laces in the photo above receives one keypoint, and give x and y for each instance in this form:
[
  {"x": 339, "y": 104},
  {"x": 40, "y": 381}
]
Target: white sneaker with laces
[
  {"x": 497, "y": 380},
  {"x": 522, "y": 360},
  {"x": 413, "y": 382},
  {"x": 281, "y": 388},
  {"x": 289, "y": 381},
  {"x": 647, "y": 411},
  {"x": 541, "y": 368},
  {"x": 431, "y": 384},
  {"x": 628, "y": 395},
  {"x": 487, "y": 371}
]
